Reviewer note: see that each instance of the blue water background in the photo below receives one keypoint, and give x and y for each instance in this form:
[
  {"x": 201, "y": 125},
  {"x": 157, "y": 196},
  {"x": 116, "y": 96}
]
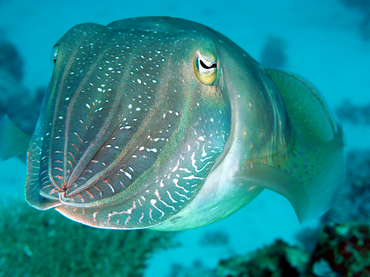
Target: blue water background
[{"x": 323, "y": 44}]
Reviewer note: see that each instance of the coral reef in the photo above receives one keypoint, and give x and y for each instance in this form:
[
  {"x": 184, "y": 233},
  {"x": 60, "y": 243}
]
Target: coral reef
[
  {"x": 342, "y": 250},
  {"x": 278, "y": 259},
  {"x": 35, "y": 243}
]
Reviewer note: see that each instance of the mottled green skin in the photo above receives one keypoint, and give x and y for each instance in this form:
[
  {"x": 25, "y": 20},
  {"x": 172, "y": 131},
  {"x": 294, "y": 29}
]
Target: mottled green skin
[{"x": 130, "y": 138}]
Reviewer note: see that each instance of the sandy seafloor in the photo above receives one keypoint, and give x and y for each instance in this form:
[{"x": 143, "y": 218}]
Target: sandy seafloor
[{"x": 323, "y": 45}]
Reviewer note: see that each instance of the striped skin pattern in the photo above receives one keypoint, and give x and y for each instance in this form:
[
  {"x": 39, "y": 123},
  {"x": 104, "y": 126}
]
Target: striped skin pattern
[
  {"x": 164, "y": 123},
  {"x": 128, "y": 142}
]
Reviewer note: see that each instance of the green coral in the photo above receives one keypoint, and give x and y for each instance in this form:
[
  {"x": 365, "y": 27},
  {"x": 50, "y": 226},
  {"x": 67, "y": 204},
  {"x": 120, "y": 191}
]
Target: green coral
[
  {"x": 35, "y": 243},
  {"x": 344, "y": 248},
  {"x": 276, "y": 260}
]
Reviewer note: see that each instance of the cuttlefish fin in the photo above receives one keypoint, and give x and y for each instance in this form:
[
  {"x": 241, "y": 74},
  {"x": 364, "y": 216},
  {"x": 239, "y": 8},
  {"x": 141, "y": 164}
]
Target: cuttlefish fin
[
  {"x": 311, "y": 171},
  {"x": 13, "y": 141},
  {"x": 272, "y": 178},
  {"x": 306, "y": 107}
]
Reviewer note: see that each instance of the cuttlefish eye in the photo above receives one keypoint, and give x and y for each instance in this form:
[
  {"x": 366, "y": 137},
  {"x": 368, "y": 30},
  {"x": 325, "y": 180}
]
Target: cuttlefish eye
[
  {"x": 54, "y": 53},
  {"x": 205, "y": 67}
]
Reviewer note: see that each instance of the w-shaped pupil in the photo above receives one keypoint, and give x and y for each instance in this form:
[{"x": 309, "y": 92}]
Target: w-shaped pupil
[{"x": 214, "y": 65}]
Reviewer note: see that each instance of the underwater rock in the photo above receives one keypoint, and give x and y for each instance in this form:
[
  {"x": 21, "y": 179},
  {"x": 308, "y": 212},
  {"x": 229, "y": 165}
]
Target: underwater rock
[
  {"x": 308, "y": 238},
  {"x": 22, "y": 107},
  {"x": 276, "y": 260},
  {"x": 364, "y": 7},
  {"x": 197, "y": 269},
  {"x": 354, "y": 114},
  {"x": 10, "y": 60},
  {"x": 214, "y": 238},
  {"x": 354, "y": 202},
  {"x": 273, "y": 53},
  {"x": 365, "y": 27},
  {"x": 47, "y": 244},
  {"x": 342, "y": 250}
]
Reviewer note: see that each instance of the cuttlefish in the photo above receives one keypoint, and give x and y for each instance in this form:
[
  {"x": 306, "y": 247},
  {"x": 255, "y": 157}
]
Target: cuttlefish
[{"x": 164, "y": 123}]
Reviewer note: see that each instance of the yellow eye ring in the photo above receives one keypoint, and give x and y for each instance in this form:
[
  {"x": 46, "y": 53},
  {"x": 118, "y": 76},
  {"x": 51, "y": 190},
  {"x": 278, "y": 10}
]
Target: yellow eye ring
[{"x": 206, "y": 67}]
